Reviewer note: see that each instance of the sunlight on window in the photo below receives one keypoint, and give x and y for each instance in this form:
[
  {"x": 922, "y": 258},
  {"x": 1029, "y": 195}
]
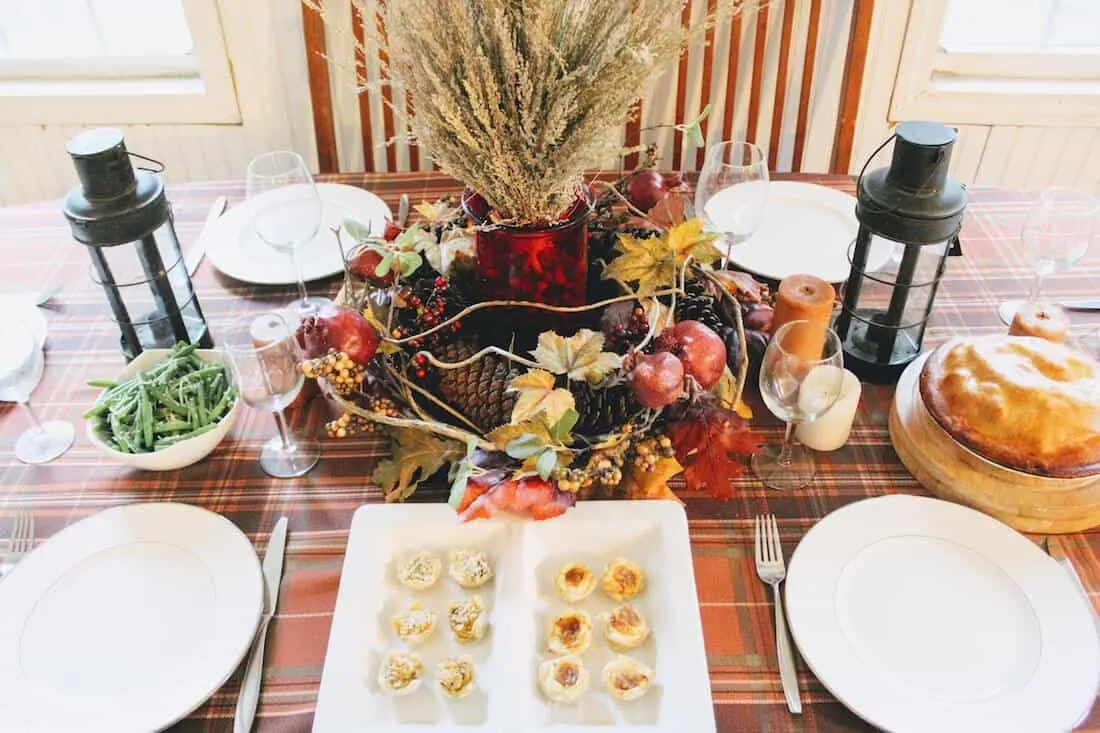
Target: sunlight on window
[
  {"x": 58, "y": 29},
  {"x": 1018, "y": 25}
]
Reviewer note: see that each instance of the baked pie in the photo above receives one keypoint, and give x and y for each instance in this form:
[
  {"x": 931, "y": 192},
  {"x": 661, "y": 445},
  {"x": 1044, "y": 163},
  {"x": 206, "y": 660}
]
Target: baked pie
[
  {"x": 455, "y": 676},
  {"x": 574, "y": 582},
  {"x": 622, "y": 580},
  {"x": 470, "y": 568},
  {"x": 414, "y": 625},
  {"x": 467, "y": 620},
  {"x": 625, "y": 628},
  {"x": 570, "y": 632},
  {"x": 563, "y": 679},
  {"x": 420, "y": 571},
  {"x": 400, "y": 673},
  {"x": 627, "y": 679},
  {"x": 1023, "y": 402}
]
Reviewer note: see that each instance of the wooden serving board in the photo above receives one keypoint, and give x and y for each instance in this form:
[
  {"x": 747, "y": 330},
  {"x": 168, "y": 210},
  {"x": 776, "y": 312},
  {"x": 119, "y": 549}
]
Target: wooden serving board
[{"x": 1024, "y": 501}]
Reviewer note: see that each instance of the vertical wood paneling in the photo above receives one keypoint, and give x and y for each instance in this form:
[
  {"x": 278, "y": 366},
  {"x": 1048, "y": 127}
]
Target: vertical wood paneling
[
  {"x": 967, "y": 155},
  {"x": 1071, "y": 166},
  {"x": 995, "y": 160}
]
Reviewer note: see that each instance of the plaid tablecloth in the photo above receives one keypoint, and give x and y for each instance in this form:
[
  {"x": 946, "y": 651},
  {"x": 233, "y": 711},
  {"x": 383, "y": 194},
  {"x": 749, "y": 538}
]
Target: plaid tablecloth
[{"x": 35, "y": 249}]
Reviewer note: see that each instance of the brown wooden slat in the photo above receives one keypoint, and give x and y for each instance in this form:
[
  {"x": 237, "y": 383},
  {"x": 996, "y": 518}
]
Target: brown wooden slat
[
  {"x": 357, "y": 25},
  {"x": 854, "y": 63},
  {"x": 320, "y": 91},
  {"x": 387, "y": 94},
  {"x": 414, "y": 150},
  {"x": 781, "y": 82},
  {"x": 759, "y": 46},
  {"x": 807, "y": 86},
  {"x": 681, "y": 93},
  {"x": 731, "y": 78},
  {"x": 633, "y": 136},
  {"x": 708, "y": 69}
]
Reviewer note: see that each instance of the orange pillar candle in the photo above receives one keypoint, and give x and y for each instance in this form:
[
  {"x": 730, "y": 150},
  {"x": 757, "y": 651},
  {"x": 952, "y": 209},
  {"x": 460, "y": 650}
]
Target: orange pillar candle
[
  {"x": 804, "y": 298},
  {"x": 1042, "y": 320}
]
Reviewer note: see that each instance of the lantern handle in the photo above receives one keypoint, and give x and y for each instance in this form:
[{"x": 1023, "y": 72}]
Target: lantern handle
[{"x": 159, "y": 166}]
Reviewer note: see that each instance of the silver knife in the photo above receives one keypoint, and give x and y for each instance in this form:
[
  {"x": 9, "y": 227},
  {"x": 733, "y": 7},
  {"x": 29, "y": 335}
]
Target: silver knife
[
  {"x": 1081, "y": 305},
  {"x": 273, "y": 574},
  {"x": 1058, "y": 554},
  {"x": 198, "y": 248}
]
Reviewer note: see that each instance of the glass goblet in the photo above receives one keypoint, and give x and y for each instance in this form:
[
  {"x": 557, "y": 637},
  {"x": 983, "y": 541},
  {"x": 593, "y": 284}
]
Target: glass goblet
[
  {"x": 732, "y": 191},
  {"x": 22, "y": 363}
]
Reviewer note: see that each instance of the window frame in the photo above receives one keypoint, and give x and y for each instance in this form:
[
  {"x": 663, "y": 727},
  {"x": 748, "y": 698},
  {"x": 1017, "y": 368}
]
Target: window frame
[
  {"x": 135, "y": 90},
  {"x": 995, "y": 86}
]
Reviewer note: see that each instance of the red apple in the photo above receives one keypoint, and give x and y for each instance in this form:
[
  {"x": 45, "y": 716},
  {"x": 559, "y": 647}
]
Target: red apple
[
  {"x": 657, "y": 379},
  {"x": 645, "y": 189}
]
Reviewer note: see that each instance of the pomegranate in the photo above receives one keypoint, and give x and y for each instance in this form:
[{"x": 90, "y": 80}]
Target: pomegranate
[
  {"x": 699, "y": 349},
  {"x": 645, "y": 189},
  {"x": 339, "y": 328},
  {"x": 657, "y": 379}
]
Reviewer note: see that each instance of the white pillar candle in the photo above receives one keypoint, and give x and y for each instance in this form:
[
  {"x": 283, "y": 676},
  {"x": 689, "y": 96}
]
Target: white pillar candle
[{"x": 830, "y": 430}]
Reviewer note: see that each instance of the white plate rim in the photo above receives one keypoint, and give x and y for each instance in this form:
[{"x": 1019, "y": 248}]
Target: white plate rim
[
  {"x": 68, "y": 541},
  {"x": 799, "y": 193},
  {"x": 813, "y": 634},
  {"x": 222, "y": 237}
]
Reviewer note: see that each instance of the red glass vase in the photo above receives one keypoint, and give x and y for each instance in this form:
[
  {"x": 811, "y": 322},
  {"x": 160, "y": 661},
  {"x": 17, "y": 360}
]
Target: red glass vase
[{"x": 542, "y": 264}]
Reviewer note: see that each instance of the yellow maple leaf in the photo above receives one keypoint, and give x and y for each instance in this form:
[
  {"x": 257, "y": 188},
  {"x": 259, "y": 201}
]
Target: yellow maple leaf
[
  {"x": 654, "y": 263},
  {"x": 536, "y": 394},
  {"x": 504, "y": 434},
  {"x": 438, "y": 212},
  {"x": 580, "y": 356},
  {"x": 689, "y": 239},
  {"x": 641, "y": 484}
]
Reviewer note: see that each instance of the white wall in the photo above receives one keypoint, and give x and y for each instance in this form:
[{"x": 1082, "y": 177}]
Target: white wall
[{"x": 263, "y": 38}]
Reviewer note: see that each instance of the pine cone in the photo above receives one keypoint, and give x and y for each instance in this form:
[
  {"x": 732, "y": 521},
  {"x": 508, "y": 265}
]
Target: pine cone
[
  {"x": 604, "y": 410},
  {"x": 700, "y": 306},
  {"x": 478, "y": 389}
]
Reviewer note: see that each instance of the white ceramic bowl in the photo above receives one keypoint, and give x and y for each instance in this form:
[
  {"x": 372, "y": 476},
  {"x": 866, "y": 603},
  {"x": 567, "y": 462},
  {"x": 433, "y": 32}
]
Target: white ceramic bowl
[{"x": 184, "y": 453}]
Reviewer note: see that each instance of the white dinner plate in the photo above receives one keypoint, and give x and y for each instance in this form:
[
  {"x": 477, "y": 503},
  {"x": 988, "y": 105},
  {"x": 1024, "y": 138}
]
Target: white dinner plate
[
  {"x": 922, "y": 615},
  {"x": 806, "y": 229},
  {"x": 126, "y": 621},
  {"x": 233, "y": 247},
  {"x": 20, "y": 306},
  {"x": 520, "y": 602}
]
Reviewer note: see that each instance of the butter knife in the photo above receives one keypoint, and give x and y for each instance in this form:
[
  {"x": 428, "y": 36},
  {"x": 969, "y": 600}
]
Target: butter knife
[
  {"x": 1081, "y": 305},
  {"x": 1058, "y": 553},
  {"x": 273, "y": 574},
  {"x": 198, "y": 248}
]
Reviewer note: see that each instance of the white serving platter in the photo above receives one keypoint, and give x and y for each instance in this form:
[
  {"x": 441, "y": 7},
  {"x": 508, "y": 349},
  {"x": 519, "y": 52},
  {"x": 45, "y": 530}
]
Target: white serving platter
[
  {"x": 520, "y": 601},
  {"x": 923, "y": 615}
]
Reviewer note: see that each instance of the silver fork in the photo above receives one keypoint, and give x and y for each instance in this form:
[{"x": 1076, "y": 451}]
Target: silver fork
[
  {"x": 772, "y": 570},
  {"x": 20, "y": 541}
]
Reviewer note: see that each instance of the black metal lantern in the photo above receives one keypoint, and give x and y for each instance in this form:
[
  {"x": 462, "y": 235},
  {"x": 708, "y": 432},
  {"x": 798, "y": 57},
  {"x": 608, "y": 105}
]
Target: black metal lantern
[
  {"x": 909, "y": 218},
  {"x": 124, "y": 218}
]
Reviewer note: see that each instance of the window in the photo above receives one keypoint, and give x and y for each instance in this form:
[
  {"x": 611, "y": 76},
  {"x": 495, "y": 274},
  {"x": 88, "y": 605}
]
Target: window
[
  {"x": 1024, "y": 62},
  {"x": 114, "y": 61}
]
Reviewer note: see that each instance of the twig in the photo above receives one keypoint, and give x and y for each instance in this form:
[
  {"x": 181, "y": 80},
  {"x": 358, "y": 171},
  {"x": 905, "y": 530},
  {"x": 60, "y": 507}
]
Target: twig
[
  {"x": 503, "y": 353},
  {"x": 409, "y": 385},
  {"x": 631, "y": 207},
  {"x": 439, "y": 428}
]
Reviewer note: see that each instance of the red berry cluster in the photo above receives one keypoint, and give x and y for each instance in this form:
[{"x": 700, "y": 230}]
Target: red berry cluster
[{"x": 427, "y": 303}]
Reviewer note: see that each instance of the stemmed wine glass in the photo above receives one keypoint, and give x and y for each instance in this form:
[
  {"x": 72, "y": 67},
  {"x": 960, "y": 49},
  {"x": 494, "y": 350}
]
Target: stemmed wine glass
[
  {"x": 264, "y": 356},
  {"x": 732, "y": 191},
  {"x": 1059, "y": 228},
  {"x": 801, "y": 376},
  {"x": 285, "y": 212},
  {"x": 22, "y": 362}
]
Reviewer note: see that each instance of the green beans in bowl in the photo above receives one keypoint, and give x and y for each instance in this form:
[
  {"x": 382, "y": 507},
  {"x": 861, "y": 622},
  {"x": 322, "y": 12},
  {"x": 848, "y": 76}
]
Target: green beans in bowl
[{"x": 169, "y": 408}]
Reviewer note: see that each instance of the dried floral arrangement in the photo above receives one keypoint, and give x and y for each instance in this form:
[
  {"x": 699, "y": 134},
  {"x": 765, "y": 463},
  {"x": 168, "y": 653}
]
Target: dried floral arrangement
[{"x": 646, "y": 384}]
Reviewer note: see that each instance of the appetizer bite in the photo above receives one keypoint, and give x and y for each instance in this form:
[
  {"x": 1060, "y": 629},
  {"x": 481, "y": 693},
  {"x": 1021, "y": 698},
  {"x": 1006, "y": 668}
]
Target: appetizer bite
[
  {"x": 625, "y": 628},
  {"x": 622, "y": 580},
  {"x": 570, "y": 632},
  {"x": 414, "y": 625},
  {"x": 420, "y": 571},
  {"x": 563, "y": 679},
  {"x": 574, "y": 582},
  {"x": 467, "y": 620},
  {"x": 627, "y": 679},
  {"x": 400, "y": 673},
  {"x": 455, "y": 676},
  {"x": 470, "y": 568}
]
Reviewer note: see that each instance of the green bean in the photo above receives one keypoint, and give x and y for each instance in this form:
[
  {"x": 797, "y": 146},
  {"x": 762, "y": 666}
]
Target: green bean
[
  {"x": 99, "y": 408},
  {"x": 172, "y": 440},
  {"x": 146, "y": 420},
  {"x": 102, "y": 384},
  {"x": 171, "y": 426}
]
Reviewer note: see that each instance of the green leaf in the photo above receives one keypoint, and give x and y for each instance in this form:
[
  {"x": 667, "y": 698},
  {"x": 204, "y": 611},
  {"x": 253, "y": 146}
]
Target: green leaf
[
  {"x": 565, "y": 425},
  {"x": 703, "y": 114},
  {"x": 408, "y": 263},
  {"x": 694, "y": 135},
  {"x": 525, "y": 446},
  {"x": 546, "y": 463},
  {"x": 357, "y": 230},
  {"x": 462, "y": 471},
  {"x": 385, "y": 265}
]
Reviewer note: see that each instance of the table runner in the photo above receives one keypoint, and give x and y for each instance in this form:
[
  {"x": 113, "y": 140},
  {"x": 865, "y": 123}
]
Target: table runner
[{"x": 36, "y": 248}]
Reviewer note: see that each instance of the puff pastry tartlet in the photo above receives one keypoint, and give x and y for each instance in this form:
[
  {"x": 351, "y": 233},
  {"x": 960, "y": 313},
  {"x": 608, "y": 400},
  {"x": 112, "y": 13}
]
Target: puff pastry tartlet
[
  {"x": 470, "y": 568},
  {"x": 563, "y": 679},
  {"x": 401, "y": 673},
  {"x": 419, "y": 571},
  {"x": 625, "y": 628},
  {"x": 414, "y": 625},
  {"x": 574, "y": 582},
  {"x": 467, "y": 619},
  {"x": 570, "y": 632},
  {"x": 627, "y": 679},
  {"x": 455, "y": 676},
  {"x": 622, "y": 580}
]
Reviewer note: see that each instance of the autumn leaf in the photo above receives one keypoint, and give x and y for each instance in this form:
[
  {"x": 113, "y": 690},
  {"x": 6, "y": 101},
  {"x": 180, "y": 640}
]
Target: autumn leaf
[
  {"x": 437, "y": 213},
  {"x": 356, "y": 229},
  {"x": 689, "y": 239},
  {"x": 417, "y": 454},
  {"x": 711, "y": 443},
  {"x": 503, "y": 435},
  {"x": 580, "y": 356},
  {"x": 536, "y": 394},
  {"x": 641, "y": 484},
  {"x": 654, "y": 263}
]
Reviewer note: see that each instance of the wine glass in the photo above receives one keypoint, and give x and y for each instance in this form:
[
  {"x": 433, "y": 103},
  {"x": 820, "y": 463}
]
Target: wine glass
[
  {"x": 1060, "y": 226},
  {"x": 732, "y": 191},
  {"x": 22, "y": 362},
  {"x": 801, "y": 376},
  {"x": 285, "y": 212},
  {"x": 264, "y": 355}
]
